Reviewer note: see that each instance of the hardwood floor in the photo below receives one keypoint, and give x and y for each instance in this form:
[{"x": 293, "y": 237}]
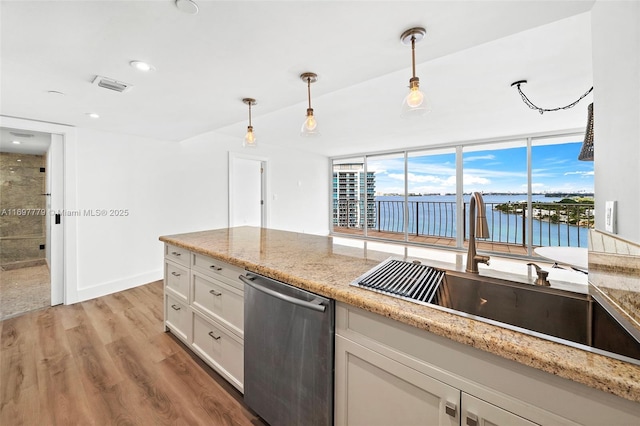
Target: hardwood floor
[{"x": 108, "y": 361}]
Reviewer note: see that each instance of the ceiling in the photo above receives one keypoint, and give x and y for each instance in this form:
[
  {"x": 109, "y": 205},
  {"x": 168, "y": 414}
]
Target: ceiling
[
  {"x": 35, "y": 143},
  {"x": 207, "y": 62}
]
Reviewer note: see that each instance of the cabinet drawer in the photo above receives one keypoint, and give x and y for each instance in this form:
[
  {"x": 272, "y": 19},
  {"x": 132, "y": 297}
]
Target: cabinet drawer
[
  {"x": 221, "y": 349},
  {"x": 176, "y": 254},
  {"x": 177, "y": 317},
  {"x": 220, "y": 301},
  {"x": 176, "y": 278},
  {"x": 218, "y": 269}
]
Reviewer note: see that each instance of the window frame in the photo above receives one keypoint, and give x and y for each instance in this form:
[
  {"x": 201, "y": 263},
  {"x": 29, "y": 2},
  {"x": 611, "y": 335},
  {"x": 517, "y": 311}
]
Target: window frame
[{"x": 459, "y": 149}]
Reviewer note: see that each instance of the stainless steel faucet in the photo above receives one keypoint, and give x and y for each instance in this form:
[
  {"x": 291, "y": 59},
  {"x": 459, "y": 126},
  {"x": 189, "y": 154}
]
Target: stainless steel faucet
[
  {"x": 478, "y": 227},
  {"x": 542, "y": 275}
]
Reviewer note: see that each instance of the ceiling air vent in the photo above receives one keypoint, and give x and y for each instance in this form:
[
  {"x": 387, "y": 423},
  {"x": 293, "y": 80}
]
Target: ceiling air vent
[
  {"x": 111, "y": 84},
  {"x": 22, "y": 135}
]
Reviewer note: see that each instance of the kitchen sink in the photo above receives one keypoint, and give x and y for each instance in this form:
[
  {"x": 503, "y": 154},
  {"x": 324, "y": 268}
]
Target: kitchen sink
[{"x": 566, "y": 317}]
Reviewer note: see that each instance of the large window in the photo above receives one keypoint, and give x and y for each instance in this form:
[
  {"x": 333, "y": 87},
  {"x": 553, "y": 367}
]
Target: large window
[
  {"x": 499, "y": 172},
  {"x": 535, "y": 190},
  {"x": 389, "y": 191},
  {"x": 351, "y": 196},
  {"x": 431, "y": 181},
  {"x": 562, "y": 193}
]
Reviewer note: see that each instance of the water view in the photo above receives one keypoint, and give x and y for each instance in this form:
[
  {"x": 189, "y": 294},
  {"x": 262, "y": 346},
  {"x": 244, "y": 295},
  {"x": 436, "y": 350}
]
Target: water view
[{"x": 554, "y": 223}]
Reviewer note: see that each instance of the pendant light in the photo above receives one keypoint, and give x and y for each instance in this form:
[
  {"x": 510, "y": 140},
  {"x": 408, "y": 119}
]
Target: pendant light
[
  {"x": 250, "y": 138},
  {"x": 586, "y": 152},
  {"x": 414, "y": 103},
  {"x": 310, "y": 125}
]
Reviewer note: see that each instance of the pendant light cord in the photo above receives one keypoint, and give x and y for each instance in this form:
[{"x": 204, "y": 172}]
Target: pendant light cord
[
  {"x": 543, "y": 110},
  {"x": 309, "y": 91},
  {"x": 250, "y": 113}
]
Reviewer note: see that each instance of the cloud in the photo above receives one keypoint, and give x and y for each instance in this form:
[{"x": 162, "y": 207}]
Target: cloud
[
  {"x": 476, "y": 180},
  {"x": 480, "y": 157},
  {"x": 580, "y": 173}
]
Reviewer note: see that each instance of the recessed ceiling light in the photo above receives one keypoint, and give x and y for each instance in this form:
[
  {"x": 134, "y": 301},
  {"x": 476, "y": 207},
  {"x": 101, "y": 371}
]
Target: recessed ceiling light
[
  {"x": 93, "y": 115},
  {"x": 187, "y": 6},
  {"x": 142, "y": 66},
  {"x": 55, "y": 92},
  {"x": 17, "y": 142}
]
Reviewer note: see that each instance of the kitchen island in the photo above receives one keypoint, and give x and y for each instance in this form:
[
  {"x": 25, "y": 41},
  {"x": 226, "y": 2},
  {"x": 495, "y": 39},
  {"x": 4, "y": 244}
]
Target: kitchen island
[{"x": 317, "y": 264}]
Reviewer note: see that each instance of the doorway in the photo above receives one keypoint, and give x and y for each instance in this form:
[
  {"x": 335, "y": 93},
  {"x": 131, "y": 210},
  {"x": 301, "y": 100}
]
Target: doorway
[
  {"x": 247, "y": 190},
  {"x": 29, "y": 241}
]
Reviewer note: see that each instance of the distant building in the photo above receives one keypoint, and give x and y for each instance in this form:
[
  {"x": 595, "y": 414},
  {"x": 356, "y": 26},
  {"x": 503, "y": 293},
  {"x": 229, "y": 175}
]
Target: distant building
[{"x": 353, "y": 195}]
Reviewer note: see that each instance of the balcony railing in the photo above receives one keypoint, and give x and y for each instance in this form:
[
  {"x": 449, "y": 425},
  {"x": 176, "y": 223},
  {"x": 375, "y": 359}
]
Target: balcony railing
[{"x": 553, "y": 224}]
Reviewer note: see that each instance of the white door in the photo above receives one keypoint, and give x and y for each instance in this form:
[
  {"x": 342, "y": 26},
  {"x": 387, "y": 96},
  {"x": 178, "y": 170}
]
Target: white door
[
  {"x": 246, "y": 191},
  {"x": 55, "y": 203}
]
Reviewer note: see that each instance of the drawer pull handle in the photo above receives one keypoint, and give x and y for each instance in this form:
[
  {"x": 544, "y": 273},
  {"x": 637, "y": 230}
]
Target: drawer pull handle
[
  {"x": 175, "y": 307},
  {"x": 472, "y": 420},
  {"x": 214, "y": 336},
  {"x": 215, "y": 268},
  {"x": 175, "y": 253},
  {"x": 175, "y": 274},
  {"x": 451, "y": 409},
  {"x": 215, "y": 293}
]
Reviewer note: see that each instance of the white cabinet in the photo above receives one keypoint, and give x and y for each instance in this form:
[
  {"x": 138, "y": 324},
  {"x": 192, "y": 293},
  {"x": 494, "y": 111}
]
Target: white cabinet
[
  {"x": 476, "y": 412},
  {"x": 384, "y": 374},
  {"x": 177, "y": 317},
  {"x": 222, "y": 350},
  {"x": 176, "y": 278},
  {"x": 204, "y": 307},
  {"x": 373, "y": 390},
  {"x": 219, "y": 301}
]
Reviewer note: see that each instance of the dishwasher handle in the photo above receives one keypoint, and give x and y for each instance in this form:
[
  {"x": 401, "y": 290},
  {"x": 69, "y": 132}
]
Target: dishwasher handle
[{"x": 315, "y": 304}]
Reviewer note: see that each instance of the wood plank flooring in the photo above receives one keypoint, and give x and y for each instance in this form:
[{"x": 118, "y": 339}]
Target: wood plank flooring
[{"x": 108, "y": 361}]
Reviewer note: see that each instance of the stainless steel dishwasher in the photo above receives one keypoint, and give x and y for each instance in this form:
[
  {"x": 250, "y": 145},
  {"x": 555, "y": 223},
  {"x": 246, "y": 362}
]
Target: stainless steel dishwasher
[{"x": 288, "y": 353}]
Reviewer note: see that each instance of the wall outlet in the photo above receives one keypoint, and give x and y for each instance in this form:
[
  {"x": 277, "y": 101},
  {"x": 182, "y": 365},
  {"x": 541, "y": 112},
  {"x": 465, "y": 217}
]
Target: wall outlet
[{"x": 610, "y": 216}]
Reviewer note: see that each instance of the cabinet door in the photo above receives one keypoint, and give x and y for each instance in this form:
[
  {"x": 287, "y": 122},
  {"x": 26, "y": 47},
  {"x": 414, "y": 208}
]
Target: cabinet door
[
  {"x": 476, "y": 412},
  {"x": 220, "y": 349},
  {"x": 177, "y": 317},
  {"x": 372, "y": 389},
  {"x": 176, "y": 278}
]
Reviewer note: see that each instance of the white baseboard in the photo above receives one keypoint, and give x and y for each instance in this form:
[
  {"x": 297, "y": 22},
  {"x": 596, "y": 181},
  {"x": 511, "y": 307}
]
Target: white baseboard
[{"x": 117, "y": 285}]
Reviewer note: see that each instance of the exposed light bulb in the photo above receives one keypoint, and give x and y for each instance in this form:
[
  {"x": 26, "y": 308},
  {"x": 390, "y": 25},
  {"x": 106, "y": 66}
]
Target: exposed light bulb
[
  {"x": 250, "y": 138},
  {"x": 414, "y": 104},
  {"x": 415, "y": 97},
  {"x": 310, "y": 123}
]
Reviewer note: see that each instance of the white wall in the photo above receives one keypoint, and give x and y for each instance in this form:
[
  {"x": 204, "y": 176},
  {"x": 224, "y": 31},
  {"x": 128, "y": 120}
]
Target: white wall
[
  {"x": 616, "y": 79},
  {"x": 138, "y": 178},
  {"x": 170, "y": 188},
  {"x": 297, "y": 193}
]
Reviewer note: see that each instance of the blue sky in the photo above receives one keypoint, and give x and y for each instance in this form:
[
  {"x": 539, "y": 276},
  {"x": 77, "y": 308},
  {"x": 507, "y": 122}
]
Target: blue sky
[{"x": 555, "y": 168}]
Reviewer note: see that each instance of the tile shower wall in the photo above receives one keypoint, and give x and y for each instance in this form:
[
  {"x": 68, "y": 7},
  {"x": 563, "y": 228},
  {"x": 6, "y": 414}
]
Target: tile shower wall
[{"x": 22, "y": 208}]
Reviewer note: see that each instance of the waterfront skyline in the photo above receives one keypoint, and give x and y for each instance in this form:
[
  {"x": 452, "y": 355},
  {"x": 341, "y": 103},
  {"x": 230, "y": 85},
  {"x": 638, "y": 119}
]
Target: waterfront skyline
[{"x": 555, "y": 169}]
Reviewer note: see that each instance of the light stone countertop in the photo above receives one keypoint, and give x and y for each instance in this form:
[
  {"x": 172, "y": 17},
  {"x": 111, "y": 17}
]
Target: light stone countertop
[{"x": 318, "y": 264}]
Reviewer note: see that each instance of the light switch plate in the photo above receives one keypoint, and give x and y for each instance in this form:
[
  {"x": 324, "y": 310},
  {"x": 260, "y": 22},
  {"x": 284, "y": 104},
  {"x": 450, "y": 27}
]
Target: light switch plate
[{"x": 610, "y": 216}]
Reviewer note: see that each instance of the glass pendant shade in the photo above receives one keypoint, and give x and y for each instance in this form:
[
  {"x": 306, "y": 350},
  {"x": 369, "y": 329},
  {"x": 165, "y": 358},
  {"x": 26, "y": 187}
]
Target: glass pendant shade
[
  {"x": 250, "y": 140},
  {"x": 414, "y": 103},
  {"x": 310, "y": 125}
]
